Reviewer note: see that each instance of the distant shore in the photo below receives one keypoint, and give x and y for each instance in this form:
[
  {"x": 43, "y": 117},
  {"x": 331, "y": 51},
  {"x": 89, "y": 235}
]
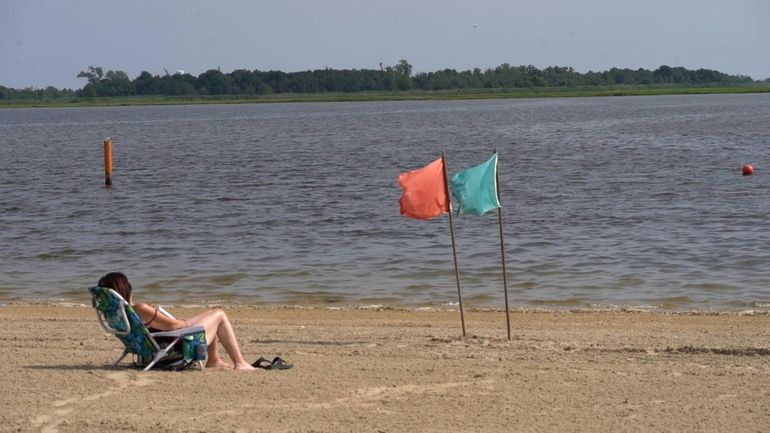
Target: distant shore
[{"x": 412, "y": 95}]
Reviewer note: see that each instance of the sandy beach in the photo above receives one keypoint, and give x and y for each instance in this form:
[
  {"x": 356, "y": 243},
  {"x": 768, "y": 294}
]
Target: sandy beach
[{"x": 371, "y": 370}]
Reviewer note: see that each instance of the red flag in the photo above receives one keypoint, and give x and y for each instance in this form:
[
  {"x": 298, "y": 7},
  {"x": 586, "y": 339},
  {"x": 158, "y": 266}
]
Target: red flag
[{"x": 425, "y": 194}]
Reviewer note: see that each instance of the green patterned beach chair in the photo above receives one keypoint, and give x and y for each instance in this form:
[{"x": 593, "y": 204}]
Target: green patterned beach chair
[{"x": 174, "y": 350}]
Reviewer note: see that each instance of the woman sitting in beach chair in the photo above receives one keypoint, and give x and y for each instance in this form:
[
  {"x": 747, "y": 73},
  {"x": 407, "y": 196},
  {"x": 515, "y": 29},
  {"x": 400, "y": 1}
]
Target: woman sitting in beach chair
[{"x": 215, "y": 322}]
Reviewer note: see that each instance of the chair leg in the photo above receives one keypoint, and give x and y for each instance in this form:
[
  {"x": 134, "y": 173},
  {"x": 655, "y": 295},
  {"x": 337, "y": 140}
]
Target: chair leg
[
  {"x": 161, "y": 354},
  {"x": 125, "y": 352},
  {"x": 154, "y": 360}
]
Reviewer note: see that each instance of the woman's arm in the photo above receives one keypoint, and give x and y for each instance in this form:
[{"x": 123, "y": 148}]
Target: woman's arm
[{"x": 154, "y": 318}]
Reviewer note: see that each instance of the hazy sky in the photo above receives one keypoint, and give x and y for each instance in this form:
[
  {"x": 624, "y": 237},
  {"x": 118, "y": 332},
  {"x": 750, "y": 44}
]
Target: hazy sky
[{"x": 47, "y": 42}]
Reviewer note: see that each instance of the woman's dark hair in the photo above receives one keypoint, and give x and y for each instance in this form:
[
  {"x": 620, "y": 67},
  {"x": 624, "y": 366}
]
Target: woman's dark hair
[{"x": 117, "y": 282}]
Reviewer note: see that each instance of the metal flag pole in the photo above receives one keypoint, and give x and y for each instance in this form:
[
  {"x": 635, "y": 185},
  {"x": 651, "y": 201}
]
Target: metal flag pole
[
  {"x": 454, "y": 247},
  {"x": 502, "y": 252}
]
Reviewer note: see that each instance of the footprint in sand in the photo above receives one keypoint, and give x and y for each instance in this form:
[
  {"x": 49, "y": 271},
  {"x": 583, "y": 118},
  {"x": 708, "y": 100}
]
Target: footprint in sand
[
  {"x": 48, "y": 422},
  {"x": 369, "y": 396}
]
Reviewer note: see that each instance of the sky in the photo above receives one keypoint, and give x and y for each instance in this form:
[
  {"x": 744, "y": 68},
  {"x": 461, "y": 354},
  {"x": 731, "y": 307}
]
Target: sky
[{"x": 47, "y": 42}]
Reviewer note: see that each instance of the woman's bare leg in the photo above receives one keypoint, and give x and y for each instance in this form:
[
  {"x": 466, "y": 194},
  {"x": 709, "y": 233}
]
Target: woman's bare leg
[
  {"x": 214, "y": 360},
  {"x": 219, "y": 329}
]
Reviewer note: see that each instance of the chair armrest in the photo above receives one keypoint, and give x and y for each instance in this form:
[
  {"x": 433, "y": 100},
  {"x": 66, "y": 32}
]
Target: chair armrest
[
  {"x": 179, "y": 332},
  {"x": 163, "y": 310}
]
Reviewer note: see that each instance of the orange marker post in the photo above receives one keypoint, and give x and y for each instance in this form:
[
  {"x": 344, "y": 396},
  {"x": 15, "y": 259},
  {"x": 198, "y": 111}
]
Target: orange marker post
[{"x": 108, "y": 162}]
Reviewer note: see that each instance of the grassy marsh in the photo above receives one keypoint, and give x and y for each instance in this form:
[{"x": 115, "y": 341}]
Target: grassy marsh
[{"x": 410, "y": 95}]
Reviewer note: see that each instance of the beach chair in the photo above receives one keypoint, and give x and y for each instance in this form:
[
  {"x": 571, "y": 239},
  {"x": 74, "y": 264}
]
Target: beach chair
[{"x": 173, "y": 350}]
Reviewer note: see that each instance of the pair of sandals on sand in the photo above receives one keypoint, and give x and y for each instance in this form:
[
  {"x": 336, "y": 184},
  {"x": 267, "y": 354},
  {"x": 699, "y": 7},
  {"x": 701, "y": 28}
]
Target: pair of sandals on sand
[{"x": 277, "y": 363}]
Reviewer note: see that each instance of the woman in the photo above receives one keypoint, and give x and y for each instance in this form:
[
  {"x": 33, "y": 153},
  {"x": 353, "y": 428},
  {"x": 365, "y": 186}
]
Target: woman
[{"x": 218, "y": 328}]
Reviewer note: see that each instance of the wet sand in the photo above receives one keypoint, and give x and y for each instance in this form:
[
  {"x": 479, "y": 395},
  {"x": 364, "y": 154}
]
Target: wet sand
[{"x": 395, "y": 371}]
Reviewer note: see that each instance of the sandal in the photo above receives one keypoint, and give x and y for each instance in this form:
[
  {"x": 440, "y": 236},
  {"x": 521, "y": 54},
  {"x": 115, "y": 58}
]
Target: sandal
[
  {"x": 261, "y": 363},
  {"x": 277, "y": 363}
]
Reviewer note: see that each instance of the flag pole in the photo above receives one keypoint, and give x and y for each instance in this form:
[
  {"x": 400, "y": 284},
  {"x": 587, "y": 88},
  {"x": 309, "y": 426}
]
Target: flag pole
[
  {"x": 454, "y": 247},
  {"x": 502, "y": 252}
]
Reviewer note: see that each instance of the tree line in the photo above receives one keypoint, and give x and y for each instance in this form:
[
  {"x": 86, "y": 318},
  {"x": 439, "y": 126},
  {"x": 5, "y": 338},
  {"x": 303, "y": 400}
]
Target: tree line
[{"x": 398, "y": 77}]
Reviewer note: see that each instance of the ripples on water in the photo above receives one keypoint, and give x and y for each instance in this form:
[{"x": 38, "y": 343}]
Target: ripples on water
[{"x": 607, "y": 201}]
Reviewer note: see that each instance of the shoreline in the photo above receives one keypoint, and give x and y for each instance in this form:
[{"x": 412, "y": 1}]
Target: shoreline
[
  {"x": 393, "y": 371},
  {"x": 597, "y": 309}
]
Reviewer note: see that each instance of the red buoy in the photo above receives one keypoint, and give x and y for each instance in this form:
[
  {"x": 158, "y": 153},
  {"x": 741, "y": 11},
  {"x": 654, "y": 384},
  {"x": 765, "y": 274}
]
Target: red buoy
[{"x": 748, "y": 170}]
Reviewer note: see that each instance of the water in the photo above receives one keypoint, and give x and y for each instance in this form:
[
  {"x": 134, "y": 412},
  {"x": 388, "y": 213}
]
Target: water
[{"x": 607, "y": 201}]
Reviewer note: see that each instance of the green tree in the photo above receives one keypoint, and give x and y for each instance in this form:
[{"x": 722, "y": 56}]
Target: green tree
[
  {"x": 214, "y": 82},
  {"x": 404, "y": 75},
  {"x": 147, "y": 84},
  {"x": 243, "y": 82},
  {"x": 178, "y": 84},
  {"x": 92, "y": 74},
  {"x": 116, "y": 83},
  {"x": 403, "y": 68},
  {"x": 663, "y": 75}
]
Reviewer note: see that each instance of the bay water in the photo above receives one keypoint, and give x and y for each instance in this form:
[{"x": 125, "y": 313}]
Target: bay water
[{"x": 619, "y": 201}]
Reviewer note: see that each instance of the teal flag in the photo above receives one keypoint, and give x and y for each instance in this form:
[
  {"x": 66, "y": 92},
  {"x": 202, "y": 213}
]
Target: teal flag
[{"x": 476, "y": 188}]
